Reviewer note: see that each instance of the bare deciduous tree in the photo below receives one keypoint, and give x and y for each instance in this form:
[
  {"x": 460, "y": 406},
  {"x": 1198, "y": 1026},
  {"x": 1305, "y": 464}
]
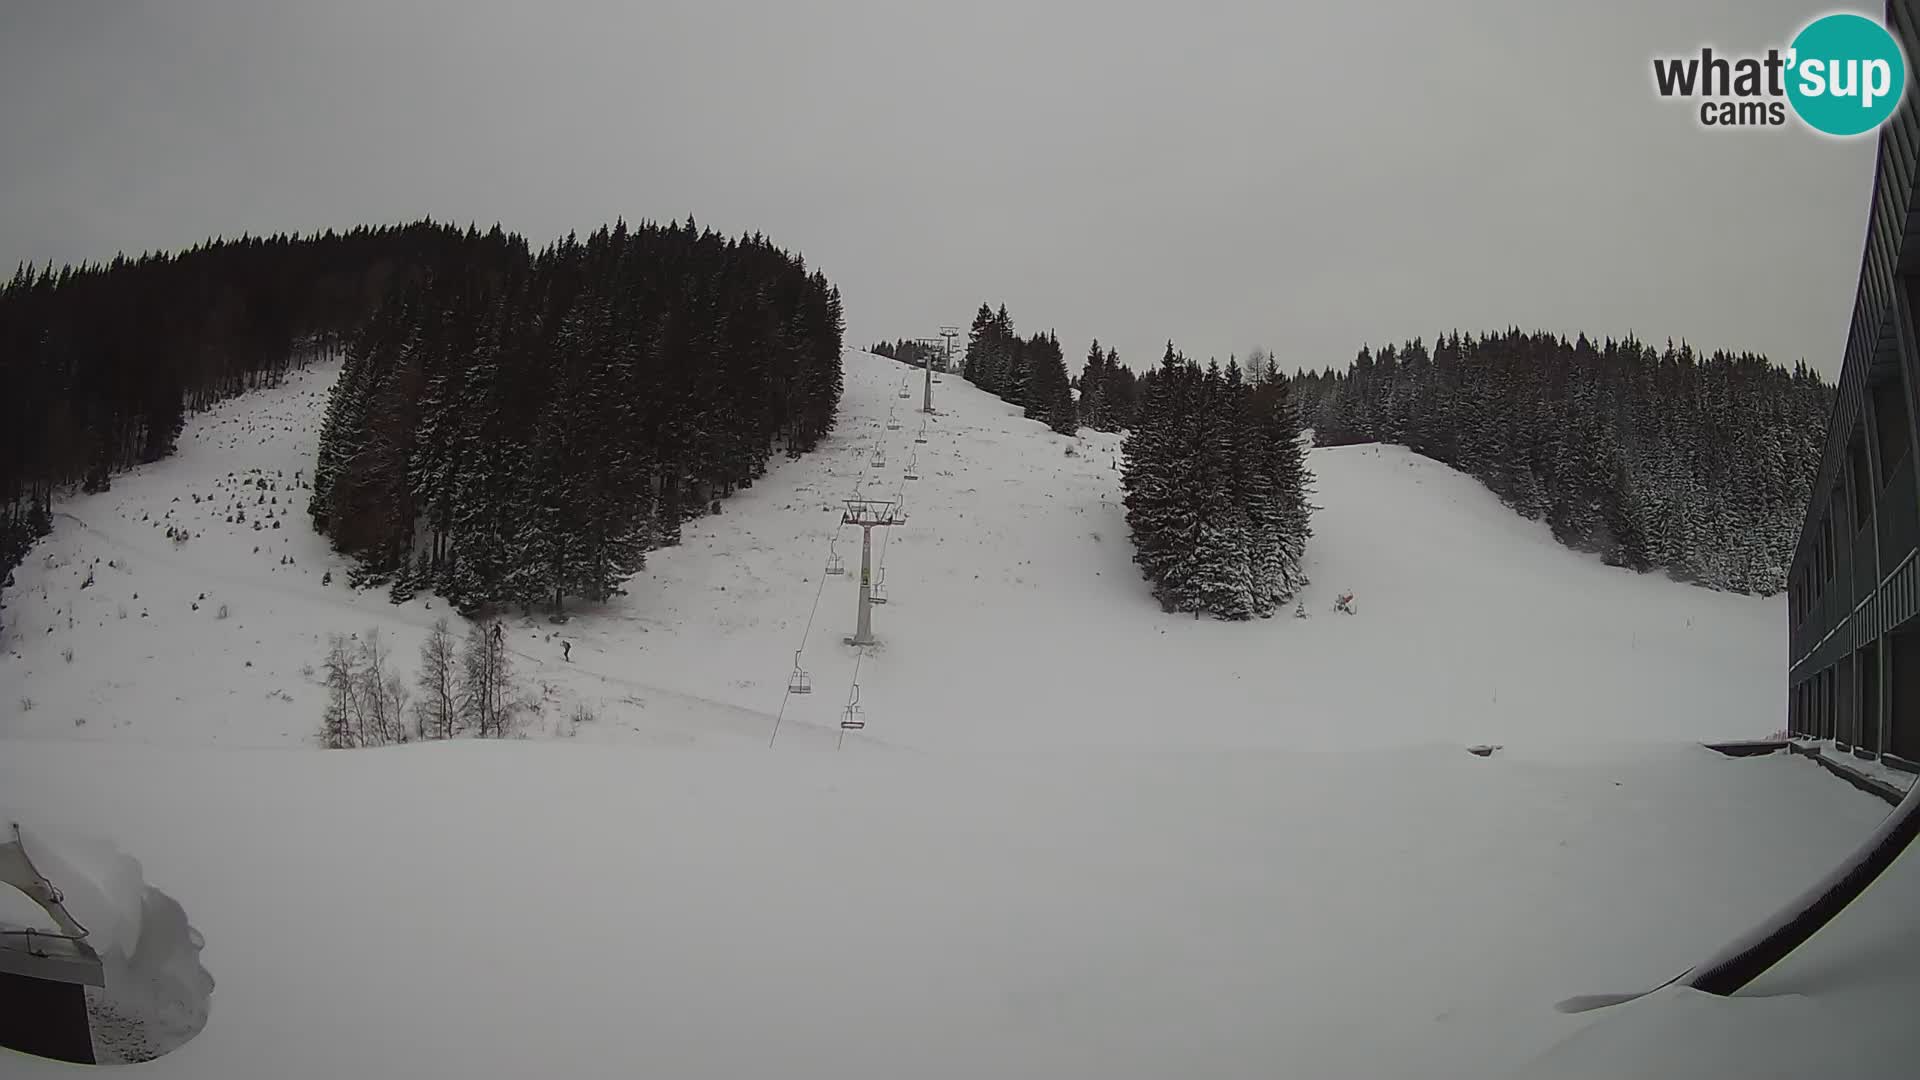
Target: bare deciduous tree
[
  {"x": 487, "y": 680},
  {"x": 382, "y": 709},
  {"x": 439, "y": 707},
  {"x": 337, "y": 723}
]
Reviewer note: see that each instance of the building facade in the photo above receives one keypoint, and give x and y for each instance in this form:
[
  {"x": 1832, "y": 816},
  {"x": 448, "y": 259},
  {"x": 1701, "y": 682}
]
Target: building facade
[{"x": 1854, "y": 589}]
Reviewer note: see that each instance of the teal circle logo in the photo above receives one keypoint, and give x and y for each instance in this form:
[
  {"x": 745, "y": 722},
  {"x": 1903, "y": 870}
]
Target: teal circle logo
[{"x": 1846, "y": 74}]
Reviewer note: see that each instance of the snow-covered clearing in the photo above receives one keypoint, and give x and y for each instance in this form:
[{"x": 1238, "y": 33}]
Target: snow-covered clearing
[{"x": 1256, "y": 850}]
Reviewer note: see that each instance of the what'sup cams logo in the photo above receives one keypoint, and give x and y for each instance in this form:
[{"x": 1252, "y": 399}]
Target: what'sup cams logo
[{"x": 1843, "y": 74}]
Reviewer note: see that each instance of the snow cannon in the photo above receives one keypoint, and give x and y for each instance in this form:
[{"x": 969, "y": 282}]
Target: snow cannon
[{"x": 44, "y": 972}]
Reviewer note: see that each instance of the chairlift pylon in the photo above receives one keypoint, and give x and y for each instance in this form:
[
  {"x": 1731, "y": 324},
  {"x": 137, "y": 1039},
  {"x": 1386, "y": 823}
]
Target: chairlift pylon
[{"x": 799, "y": 682}]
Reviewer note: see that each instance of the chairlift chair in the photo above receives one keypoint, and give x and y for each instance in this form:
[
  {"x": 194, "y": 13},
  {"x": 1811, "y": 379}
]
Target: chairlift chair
[
  {"x": 913, "y": 468},
  {"x": 879, "y": 458},
  {"x": 853, "y": 717},
  {"x": 877, "y": 592},
  {"x": 800, "y": 682},
  {"x": 892, "y": 424},
  {"x": 835, "y": 565}
]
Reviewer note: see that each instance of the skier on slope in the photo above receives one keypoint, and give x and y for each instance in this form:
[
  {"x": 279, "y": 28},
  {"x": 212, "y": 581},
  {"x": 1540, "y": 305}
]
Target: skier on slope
[{"x": 566, "y": 651}]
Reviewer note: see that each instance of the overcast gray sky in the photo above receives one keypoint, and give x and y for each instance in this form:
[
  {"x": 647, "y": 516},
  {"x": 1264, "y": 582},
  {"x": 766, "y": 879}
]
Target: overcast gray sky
[{"x": 1304, "y": 176}]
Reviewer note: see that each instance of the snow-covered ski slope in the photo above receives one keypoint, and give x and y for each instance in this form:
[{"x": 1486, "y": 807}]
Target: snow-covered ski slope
[{"x": 1016, "y": 619}]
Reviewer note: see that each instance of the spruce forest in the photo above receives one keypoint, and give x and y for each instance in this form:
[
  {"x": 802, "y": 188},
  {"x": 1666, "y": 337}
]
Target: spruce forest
[
  {"x": 508, "y": 427},
  {"x": 1700, "y": 466},
  {"x": 910, "y": 353},
  {"x": 103, "y": 363},
  {"x": 1028, "y": 372},
  {"x": 1214, "y": 473},
  {"x": 524, "y": 428},
  {"x": 1216, "y": 489}
]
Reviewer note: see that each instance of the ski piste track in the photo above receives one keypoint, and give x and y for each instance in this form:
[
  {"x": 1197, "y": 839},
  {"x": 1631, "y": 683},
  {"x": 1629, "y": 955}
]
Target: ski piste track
[{"x": 860, "y": 452}]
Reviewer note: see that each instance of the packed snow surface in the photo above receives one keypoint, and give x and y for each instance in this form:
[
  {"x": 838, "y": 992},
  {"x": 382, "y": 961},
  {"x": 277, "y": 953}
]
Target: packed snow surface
[
  {"x": 1251, "y": 850},
  {"x": 509, "y": 910}
]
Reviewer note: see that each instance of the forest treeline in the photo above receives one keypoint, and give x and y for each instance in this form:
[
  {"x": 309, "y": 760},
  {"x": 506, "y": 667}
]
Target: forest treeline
[
  {"x": 1665, "y": 459},
  {"x": 1031, "y": 372},
  {"x": 524, "y": 430},
  {"x": 101, "y": 363},
  {"x": 680, "y": 359},
  {"x": 912, "y": 353}
]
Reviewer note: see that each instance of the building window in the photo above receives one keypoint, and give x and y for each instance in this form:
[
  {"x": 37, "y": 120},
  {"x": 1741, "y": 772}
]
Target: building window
[
  {"x": 1825, "y": 550},
  {"x": 1859, "y": 470},
  {"x": 1890, "y": 422},
  {"x": 1868, "y": 664}
]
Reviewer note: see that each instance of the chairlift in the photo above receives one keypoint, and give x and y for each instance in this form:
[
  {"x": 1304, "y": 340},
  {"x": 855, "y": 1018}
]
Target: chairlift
[
  {"x": 853, "y": 717},
  {"x": 879, "y": 458},
  {"x": 800, "y": 682},
  {"x": 922, "y": 437},
  {"x": 877, "y": 592},
  {"x": 835, "y": 565},
  {"x": 892, "y": 424}
]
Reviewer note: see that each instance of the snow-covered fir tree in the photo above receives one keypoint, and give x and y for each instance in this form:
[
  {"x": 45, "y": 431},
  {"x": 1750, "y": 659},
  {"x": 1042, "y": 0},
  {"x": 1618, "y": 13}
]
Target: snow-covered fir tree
[{"x": 1216, "y": 490}]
